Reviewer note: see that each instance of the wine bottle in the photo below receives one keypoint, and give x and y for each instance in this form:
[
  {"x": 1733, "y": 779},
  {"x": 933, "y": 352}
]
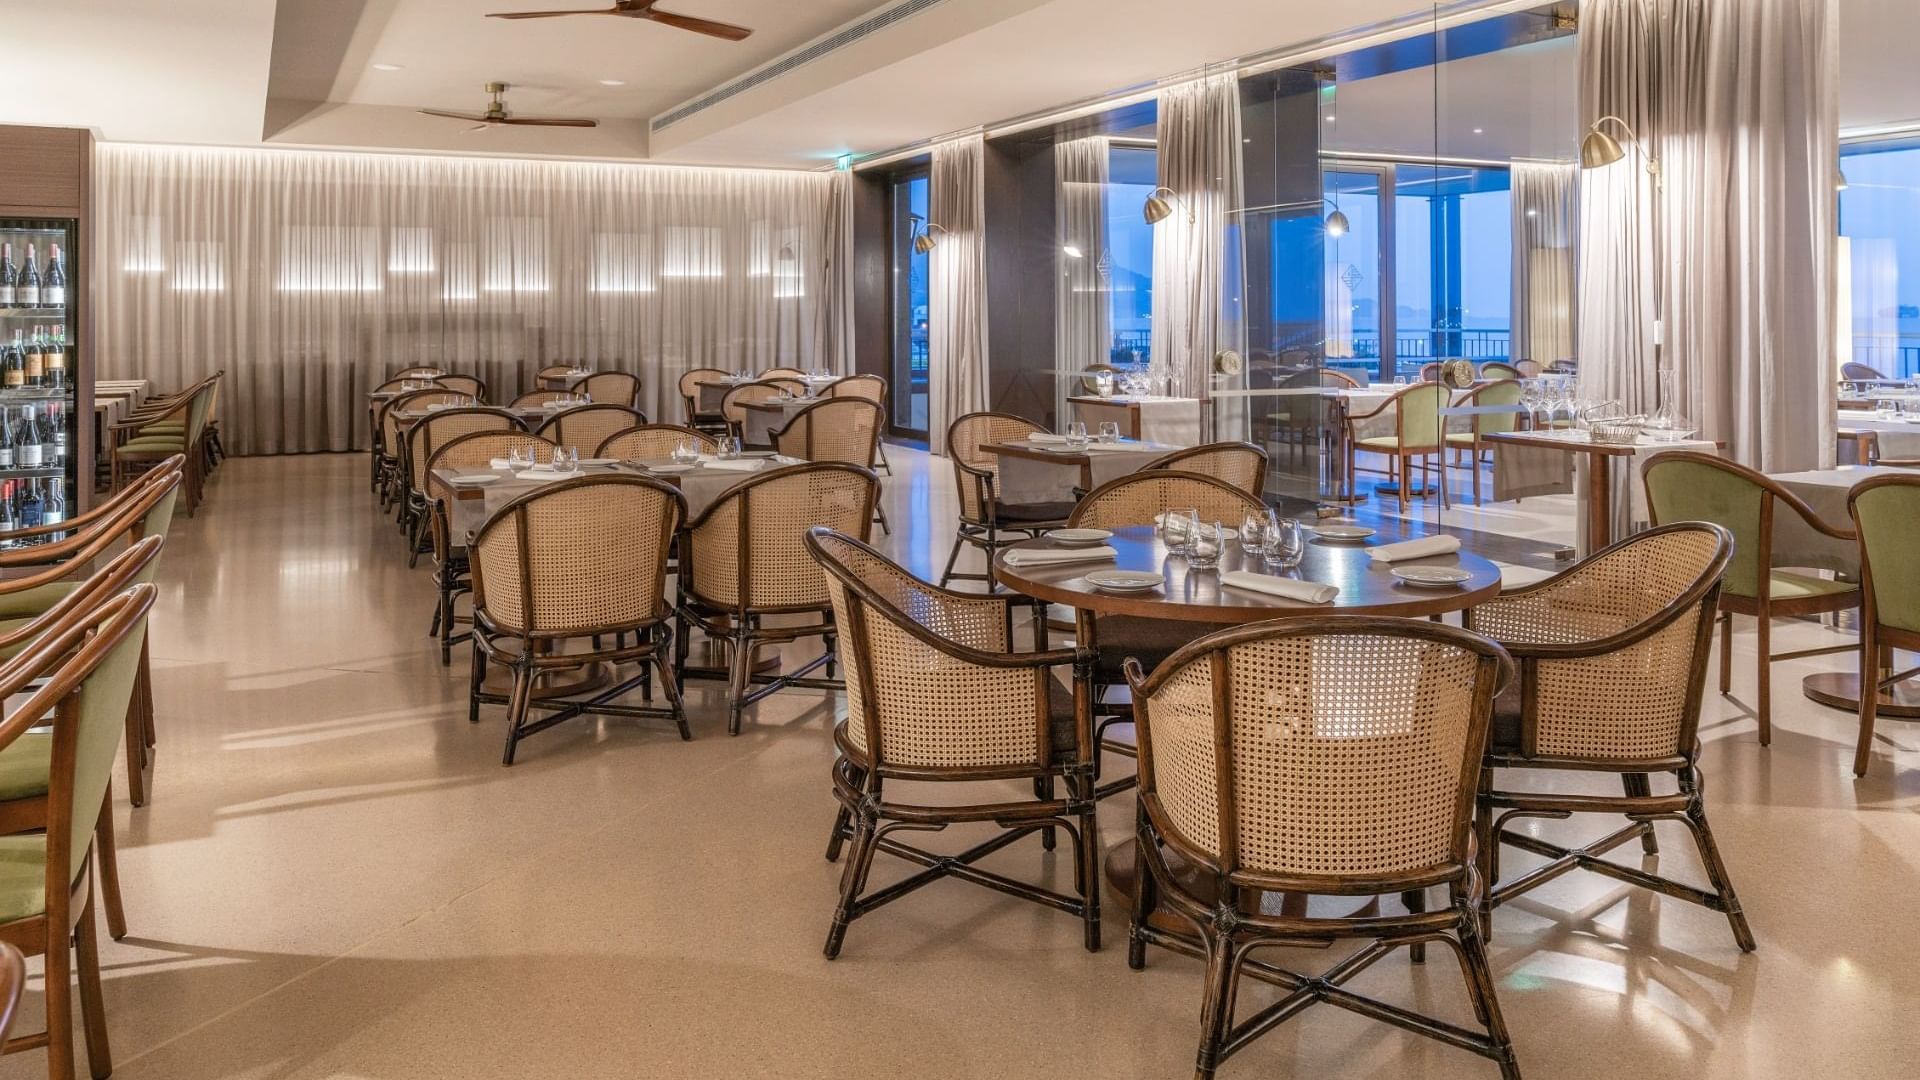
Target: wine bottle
[
  {"x": 52, "y": 449},
  {"x": 56, "y": 357},
  {"x": 8, "y": 275},
  {"x": 15, "y": 372},
  {"x": 26, "y": 288},
  {"x": 32, "y": 511},
  {"x": 57, "y": 423},
  {"x": 36, "y": 363},
  {"x": 7, "y": 521},
  {"x": 53, "y": 289},
  {"x": 26, "y": 444},
  {"x": 6, "y": 440},
  {"x": 53, "y": 509}
]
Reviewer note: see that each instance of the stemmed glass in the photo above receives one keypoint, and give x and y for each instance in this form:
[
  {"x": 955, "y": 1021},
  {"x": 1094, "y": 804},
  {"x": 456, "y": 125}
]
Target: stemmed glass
[{"x": 1530, "y": 399}]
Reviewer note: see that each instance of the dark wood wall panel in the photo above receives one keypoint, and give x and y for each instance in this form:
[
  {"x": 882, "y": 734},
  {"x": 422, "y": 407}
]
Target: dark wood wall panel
[
  {"x": 1022, "y": 278},
  {"x": 44, "y": 171}
]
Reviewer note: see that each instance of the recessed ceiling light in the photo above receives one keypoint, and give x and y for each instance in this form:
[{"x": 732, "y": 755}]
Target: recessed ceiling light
[
  {"x": 386, "y": 67},
  {"x": 613, "y": 82}
]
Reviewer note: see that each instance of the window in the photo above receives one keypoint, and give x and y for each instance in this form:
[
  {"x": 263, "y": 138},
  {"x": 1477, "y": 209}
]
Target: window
[
  {"x": 1127, "y": 263},
  {"x": 1453, "y": 265},
  {"x": 1880, "y": 253},
  {"x": 908, "y": 307}
]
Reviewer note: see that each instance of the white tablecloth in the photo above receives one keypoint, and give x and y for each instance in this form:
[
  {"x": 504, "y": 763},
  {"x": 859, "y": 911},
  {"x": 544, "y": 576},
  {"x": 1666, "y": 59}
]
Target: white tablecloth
[
  {"x": 761, "y": 421},
  {"x": 1795, "y": 543},
  {"x": 1172, "y": 421},
  {"x": 701, "y": 487},
  {"x": 1025, "y": 480}
]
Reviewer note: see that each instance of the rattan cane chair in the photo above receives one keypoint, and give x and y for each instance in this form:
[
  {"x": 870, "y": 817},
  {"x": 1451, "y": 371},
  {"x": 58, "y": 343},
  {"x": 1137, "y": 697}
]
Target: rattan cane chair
[
  {"x": 733, "y": 406},
  {"x": 475, "y": 450},
  {"x": 426, "y": 371},
  {"x": 986, "y": 521},
  {"x": 89, "y": 664},
  {"x": 1240, "y": 464},
  {"x": 587, "y": 426},
  {"x": 1140, "y": 498},
  {"x": 1328, "y": 755},
  {"x": 1685, "y": 485},
  {"x": 936, "y": 694},
  {"x": 420, "y": 443},
  {"x": 470, "y": 385},
  {"x": 689, "y": 385},
  {"x": 1528, "y": 369},
  {"x": 783, "y": 373},
  {"x": 1417, "y": 434},
  {"x": 568, "y": 564},
  {"x": 846, "y": 430},
  {"x": 554, "y": 371},
  {"x": 1303, "y": 421},
  {"x": 612, "y": 388},
  {"x": 1853, "y": 372},
  {"x": 867, "y": 388},
  {"x": 394, "y": 467},
  {"x": 653, "y": 442},
  {"x": 1613, "y": 659},
  {"x": 1886, "y": 516},
  {"x": 745, "y": 559},
  {"x": 533, "y": 399}
]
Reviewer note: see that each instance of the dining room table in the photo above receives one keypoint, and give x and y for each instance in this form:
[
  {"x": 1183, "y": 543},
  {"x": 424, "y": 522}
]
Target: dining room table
[
  {"x": 1206, "y": 598},
  {"x": 1797, "y": 544},
  {"x": 1046, "y": 468},
  {"x": 1599, "y": 471},
  {"x": 762, "y": 418},
  {"x": 1157, "y": 418},
  {"x": 711, "y": 393}
]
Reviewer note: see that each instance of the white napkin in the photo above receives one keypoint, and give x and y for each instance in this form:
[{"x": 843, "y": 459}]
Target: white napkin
[
  {"x": 1042, "y": 438},
  {"x": 498, "y": 463},
  {"x": 1056, "y": 556},
  {"x": 734, "y": 465},
  {"x": 782, "y": 459},
  {"x": 1135, "y": 447},
  {"x": 1415, "y": 549},
  {"x": 541, "y": 474},
  {"x": 1309, "y": 592}
]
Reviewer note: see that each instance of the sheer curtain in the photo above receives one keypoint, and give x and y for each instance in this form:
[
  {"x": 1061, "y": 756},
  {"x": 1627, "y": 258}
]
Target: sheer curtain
[
  {"x": 1197, "y": 271},
  {"x": 1083, "y": 327},
  {"x": 308, "y": 276},
  {"x": 1739, "y": 105},
  {"x": 956, "y": 286},
  {"x": 1544, "y": 208}
]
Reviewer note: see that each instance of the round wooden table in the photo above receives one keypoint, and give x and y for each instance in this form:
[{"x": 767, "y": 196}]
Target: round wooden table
[{"x": 1188, "y": 595}]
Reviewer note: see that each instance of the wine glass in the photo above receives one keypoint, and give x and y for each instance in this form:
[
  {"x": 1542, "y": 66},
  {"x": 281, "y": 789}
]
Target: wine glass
[
  {"x": 1077, "y": 435},
  {"x": 1109, "y": 431},
  {"x": 1285, "y": 543},
  {"x": 1530, "y": 398}
]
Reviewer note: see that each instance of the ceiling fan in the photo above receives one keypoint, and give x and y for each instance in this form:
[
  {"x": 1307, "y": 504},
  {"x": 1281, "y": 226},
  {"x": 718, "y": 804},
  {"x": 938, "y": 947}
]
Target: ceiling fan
[
  {"x": 643, "y": 9},
  {"x": 497, "y": 114}
]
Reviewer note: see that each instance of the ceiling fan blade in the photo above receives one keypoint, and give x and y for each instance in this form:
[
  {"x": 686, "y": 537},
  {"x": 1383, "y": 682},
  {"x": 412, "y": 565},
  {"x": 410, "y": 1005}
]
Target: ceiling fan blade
[
  {"x": 550, "y": 121},
  {"x": 482, "y": 126},
  {"x": 688, "y": 22},
  {"x": 551, "y": 14},
  {"x": 474, "y": 118}
]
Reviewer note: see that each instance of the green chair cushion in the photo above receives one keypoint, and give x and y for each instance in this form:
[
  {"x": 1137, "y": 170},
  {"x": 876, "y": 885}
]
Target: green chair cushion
[
  {"x": 23, "y": 876},
  {"x": 1379, "y": 442},
  {"x": 152, "y": 445},
  {"x": 24, "y": 766},
  {"x": 1460, "y": 438},
  {"x": 165, "y": 427},
  {"x": 1888, "y": 517},
  {"x": 1788, "y": 585},
  {"x": 29, "y": 602}
]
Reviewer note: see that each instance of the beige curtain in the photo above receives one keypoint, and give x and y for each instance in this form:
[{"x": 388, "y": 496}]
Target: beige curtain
[
  {"x": 1197, "y": 270},
  {"x": 956, "y": 286},
  {"x": 1545, "y": 206},
  {"x": 1738, "y": 103},
  {"x": 308, "y": 276},
  {"x": 1083, "y": 323}
]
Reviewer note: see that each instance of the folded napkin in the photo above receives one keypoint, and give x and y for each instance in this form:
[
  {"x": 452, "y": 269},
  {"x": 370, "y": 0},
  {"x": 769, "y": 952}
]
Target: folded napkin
[
  {"x": 1308, "y": 592},
  {"x": 541, "y": 473},
  {"x": 731, "y": 465},
  {"x": 1135, "y": 447},
  {"x": 498, "y": 463},
  {"x": 1042, "y": 438},
  {"x": 782, "y": 459},
  {"x": 1055, "y": 556},
  {"x": 1415, "y": 549}
]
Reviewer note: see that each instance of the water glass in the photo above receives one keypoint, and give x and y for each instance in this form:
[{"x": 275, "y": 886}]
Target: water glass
[
  {"x": 1077, "y": 435},
  {"x": 1399, "y": 380},
  {"x": 1205, "y": 540},
  {"x": 729, "y": 447},
  {"x": 1886, "y": 408},
  {"x": 1103, "y": 383},
  {"x": 1253, "y": 530},
  {"x": 1284, "y": 544},
  {"x": 519, "y": 460},
  {"x": 686, "y": 452},
  {"x": 1175, "y": 527},
  {"x": 1109, "y": 431}
]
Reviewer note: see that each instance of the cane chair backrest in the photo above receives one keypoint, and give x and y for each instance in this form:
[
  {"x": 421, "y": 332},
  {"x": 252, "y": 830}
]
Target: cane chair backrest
[
  {"x": 846, "y": 430},
  {"x": 747, "y": 551},
  {"x": 1140, "y": 498},
  {"x": 653, "y": 442}
]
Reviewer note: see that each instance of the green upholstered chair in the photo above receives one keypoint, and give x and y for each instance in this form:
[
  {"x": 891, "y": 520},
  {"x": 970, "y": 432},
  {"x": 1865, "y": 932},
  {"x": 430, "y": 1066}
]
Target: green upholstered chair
[
  {"x": 90, "y": 663},
  {"x": 1417, "y": 434},
  {"x": 141, "y": 444},
  {"x": 1886, "y": 517},
  {"x": 1505, "y": 391},
  {"x": 1687, "y": 485},
  {"x": 1497, "y": 372}
]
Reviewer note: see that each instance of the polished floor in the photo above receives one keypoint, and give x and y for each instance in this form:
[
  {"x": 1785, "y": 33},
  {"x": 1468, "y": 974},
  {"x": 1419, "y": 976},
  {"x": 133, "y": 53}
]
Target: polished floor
[{"x": 336, "y": 880}]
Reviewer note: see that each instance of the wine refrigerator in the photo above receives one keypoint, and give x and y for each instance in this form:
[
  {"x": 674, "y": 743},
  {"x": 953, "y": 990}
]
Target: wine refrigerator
[{"x": 40, "y": 400}]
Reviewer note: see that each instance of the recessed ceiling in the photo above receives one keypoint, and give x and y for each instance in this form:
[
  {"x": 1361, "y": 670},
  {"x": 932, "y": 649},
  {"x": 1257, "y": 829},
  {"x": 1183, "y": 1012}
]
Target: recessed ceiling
[{"x": 243, "y": 72}]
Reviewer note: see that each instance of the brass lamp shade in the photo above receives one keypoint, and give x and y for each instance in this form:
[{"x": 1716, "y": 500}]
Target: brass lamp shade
[
  {"x": 1599, "y": 148},
  {"x": 923, "y": 243},
  {"x": 1337, "y": 223},
  {"x": 1159, "y": 207}
]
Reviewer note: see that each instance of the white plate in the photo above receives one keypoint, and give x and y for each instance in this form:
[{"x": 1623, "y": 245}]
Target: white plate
[
  {"x": 1124, "y": 580},
  {"x": 671, "y": 470},
  {"x": 1079, "y": 537},
  {"x": 475, "y": 479},
  {"x": 1432, "y": 577},
  {"x": 1341, "y": 532}
]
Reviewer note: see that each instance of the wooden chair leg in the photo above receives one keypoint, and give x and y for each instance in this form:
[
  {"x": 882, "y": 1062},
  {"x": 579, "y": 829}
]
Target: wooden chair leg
[
  {"x": 1474, "y": 463},
  {"x": 1869, "y": 697},
  {"x": 93, "y": 1009},
  {"x": 59, "y": 996},
  {"x": 106, "y": 850},
  {"x": 1638, "y": 786},
  {"x": 1763, "y": 694},
  {"x": 137, "y": 755},
  {"x": 739, "y": 673},
  {"x": 1726, "y": 652},
  {"x": 519, "y": 703},
  {"x": 1696, "y": 819},
  {"x": 1216, "y": 1008}
]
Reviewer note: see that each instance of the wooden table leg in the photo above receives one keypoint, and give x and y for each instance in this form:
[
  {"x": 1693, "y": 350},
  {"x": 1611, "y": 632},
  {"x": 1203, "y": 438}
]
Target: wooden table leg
[{"x": 1599, "y": 502}]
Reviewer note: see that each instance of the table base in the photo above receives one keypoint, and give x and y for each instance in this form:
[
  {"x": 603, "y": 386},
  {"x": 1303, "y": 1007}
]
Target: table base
[{"x": 1841, "y": 690}]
